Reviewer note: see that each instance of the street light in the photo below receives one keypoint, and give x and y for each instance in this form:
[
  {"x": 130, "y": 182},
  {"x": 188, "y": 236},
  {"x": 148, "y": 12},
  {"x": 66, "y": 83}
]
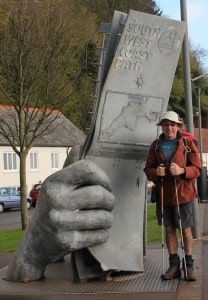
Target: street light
[
  {"x": 188, "y": 105},
  {"x": 202, "y": 180},
  {"x": 199, "y": 115},
  {"x": 187, "y": 71},
  {"x": 198, "y": 77}
]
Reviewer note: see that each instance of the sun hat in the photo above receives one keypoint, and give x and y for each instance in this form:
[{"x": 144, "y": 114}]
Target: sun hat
[{"x": 171, "y": 116}]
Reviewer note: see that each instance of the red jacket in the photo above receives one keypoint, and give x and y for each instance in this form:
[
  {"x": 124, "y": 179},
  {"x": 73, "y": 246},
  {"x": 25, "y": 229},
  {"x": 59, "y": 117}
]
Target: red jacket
[{"x": 185, "y": 182}]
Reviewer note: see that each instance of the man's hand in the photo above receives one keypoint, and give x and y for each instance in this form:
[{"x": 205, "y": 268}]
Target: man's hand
[
  {"x": 175, "y": 170},
  {"x": 160, "y": 171},
  {"x": 73, "y": 212}
]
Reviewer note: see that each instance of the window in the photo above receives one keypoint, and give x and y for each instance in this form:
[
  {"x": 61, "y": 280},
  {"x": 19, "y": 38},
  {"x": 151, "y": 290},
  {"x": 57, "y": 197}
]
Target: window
[
  {"x": 3, "y": 192},
  {"x": 10, "y": 161},
  {"x": 54, "y": 160},
  {"x": 33, "y": 161}
]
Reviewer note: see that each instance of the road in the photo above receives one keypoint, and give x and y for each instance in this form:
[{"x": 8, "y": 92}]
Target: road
[{"x": 11, "y": 219}]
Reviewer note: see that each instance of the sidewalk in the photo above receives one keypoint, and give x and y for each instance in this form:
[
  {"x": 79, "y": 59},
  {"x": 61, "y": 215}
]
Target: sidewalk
[
  {"x": 59, "y": 284},
  {"x": 198, "y": 290}
]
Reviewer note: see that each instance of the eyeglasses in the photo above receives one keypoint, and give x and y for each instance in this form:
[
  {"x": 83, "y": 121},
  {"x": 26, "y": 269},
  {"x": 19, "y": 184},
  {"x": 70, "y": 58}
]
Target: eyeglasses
[{"x": 169, "y": 124}]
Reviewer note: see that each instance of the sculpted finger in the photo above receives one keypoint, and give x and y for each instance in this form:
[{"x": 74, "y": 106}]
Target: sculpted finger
[
  {"x": 87, "y": 197},
  {"x": 81, "y": 173},
  {"x": 81, "y": 220},
  {"x": 82, "y": 239}
]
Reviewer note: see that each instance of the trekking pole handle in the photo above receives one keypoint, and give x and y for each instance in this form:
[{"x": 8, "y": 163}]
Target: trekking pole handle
[
  {"x": 161, "y": 177},
  {"x": 175, "y": 181}
]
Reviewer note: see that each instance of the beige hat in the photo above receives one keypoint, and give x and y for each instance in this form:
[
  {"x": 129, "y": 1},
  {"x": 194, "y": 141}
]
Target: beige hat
[{"x": 171, "y": 116}]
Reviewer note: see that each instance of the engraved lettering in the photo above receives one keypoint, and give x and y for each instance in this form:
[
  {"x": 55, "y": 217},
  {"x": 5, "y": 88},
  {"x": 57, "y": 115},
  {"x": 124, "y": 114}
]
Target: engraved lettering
[
  {"x": 138, "y": 45},
  {"x": 139, "y": 37},
  {"x": 128, "y": 64},
  {"x": 129, "y": 39},
  {"x": 135, "y": 53},
  {"x": 143, "y": 29},
  {"x": 137, "y": 97},
  {"x": 136, "y": 41}
]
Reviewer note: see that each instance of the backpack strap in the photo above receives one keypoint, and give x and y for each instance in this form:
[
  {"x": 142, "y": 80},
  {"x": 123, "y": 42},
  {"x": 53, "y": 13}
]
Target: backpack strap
[
  {"x": 186, "y": 149},
  {"x": 157, "y": 145}
]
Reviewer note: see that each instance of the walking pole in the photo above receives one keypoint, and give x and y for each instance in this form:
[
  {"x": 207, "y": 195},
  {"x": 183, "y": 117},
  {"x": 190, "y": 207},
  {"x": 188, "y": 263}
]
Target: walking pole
[
  {"x": 162, "y": 221},
  {"x": 180, "y": 227}
]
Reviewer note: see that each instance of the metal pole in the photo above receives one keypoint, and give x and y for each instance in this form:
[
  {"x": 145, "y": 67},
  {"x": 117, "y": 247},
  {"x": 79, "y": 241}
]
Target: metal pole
[
  {"x": 202, "y": 180},
  {"x": 189, "y": 107},
  {"x": 187, "y": 72},
  {"x": 199, "y": 116},
  {"x": 200, "y": 125},
  {"x": 162, "y": 219}
]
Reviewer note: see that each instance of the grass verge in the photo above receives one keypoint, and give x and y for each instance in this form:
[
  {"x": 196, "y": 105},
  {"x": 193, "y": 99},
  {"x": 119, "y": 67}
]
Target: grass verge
[
  {"x": 9, "y": 240},
  {"x": 154, "y": 231}
]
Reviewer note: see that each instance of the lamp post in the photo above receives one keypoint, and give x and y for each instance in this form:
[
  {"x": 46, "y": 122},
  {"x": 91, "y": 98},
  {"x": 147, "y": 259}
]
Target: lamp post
[
  {"x": 187, "y": 71},
  {"x": 200, "y": 125},
  {"x": 199, "y": 116},
  {"x": 189, "y": 106},
  {"x": 202, "y": 180}
]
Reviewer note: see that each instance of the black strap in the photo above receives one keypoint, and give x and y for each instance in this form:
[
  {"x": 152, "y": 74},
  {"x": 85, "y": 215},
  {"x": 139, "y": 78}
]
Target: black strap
[{"x": 157, "y": 145}]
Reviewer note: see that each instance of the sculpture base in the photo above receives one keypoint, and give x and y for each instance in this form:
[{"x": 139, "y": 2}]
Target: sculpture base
[{"x": 59, "y": 284}]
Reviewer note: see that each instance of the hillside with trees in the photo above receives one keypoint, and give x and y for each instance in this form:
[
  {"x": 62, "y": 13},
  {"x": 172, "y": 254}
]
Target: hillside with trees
[{"x": 56, "y": 44}]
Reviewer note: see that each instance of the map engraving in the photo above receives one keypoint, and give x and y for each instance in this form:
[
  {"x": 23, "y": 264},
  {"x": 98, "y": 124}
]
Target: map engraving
[{"x": 127, "y": 117}]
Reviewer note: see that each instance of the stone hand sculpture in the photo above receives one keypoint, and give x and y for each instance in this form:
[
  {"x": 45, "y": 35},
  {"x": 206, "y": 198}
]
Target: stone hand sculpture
[{"x": 73, "y": 212}]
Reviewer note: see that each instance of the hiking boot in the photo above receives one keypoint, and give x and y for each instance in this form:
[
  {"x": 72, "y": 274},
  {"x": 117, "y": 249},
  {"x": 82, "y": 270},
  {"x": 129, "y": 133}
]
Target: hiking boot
[
  {"x": 189, "y": 272},
  {"x": 173, "y": 272}
]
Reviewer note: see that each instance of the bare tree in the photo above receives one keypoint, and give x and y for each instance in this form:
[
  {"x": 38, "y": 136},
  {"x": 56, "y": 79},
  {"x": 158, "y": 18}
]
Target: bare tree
[{"x": 35, "y": 40}]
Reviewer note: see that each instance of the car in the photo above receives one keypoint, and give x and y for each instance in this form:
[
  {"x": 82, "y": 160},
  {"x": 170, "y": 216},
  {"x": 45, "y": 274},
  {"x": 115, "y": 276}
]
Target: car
[
  {"x": 10, "y": 198},
  {"x": 34, "y": 193}
]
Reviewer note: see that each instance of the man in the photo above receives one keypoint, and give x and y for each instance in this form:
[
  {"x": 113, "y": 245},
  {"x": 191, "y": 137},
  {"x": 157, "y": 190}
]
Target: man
[{"x": 174, "y": 171}]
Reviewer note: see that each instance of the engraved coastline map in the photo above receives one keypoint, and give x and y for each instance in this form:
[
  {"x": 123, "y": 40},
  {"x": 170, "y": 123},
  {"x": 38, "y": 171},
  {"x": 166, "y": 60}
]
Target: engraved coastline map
[{"x": 127, "y": 118}]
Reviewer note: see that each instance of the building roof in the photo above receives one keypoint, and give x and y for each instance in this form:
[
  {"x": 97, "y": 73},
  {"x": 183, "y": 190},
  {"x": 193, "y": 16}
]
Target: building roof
[
  {"x": 65, "y": 133},
  {"x": 58, "y": 130}
]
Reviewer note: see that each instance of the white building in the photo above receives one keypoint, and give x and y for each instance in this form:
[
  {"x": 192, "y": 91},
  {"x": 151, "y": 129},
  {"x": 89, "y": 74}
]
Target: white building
[{"x": 45, "y": 157}]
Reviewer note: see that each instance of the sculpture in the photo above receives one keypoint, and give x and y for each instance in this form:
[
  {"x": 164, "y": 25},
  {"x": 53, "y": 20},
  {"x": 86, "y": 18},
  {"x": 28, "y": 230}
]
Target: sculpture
[
  {"x": 73, "y": 212},
  {"x": 75, "y": 204}
]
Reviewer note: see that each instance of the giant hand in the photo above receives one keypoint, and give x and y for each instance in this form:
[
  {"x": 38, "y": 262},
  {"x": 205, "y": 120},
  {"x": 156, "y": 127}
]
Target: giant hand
[{"x": 73, "y": 212}]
